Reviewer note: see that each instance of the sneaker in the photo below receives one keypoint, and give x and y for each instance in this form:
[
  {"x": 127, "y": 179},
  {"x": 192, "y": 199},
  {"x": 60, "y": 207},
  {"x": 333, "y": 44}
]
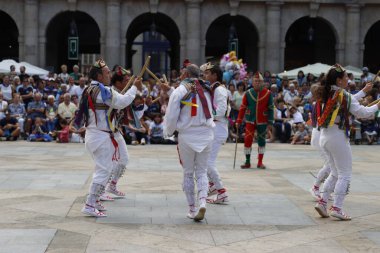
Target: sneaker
[
  {"x": 212, "y": 190},
  {"x": 201, "y": 214},
  {"x": 105, "y": 197},
  {"x": 191, "y": 213},
  {"x": 221, "y": 198},
  {"x": 99, "y": 206},
  {"x": 135, "y": 143},
  {"x": 315, "y": 192},
  {"x": 338, "y": 213},
  {"x": 245, "y": 166},
  {"x": 143, "y": 142},
  {"x": 92, "y": 211},
  {"x": 321, "y": 208},
  {"x": 112, "y": 189}
]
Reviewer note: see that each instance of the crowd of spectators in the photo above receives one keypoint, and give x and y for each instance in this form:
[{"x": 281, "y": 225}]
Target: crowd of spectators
[{"x": 37, "y": 109}]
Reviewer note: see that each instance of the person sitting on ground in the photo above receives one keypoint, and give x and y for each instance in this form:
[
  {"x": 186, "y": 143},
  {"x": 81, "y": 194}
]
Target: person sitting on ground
[
  {"x": 17, "y": 110},
  {"x": 36, "y": 109},
  {"x": 301, "y": 136},
  {"x": 9, "y": 127},
  {"x": 39, "y": 132},
  {"x": 3, "y": 106},
  {"x": 51, "y": 114}
]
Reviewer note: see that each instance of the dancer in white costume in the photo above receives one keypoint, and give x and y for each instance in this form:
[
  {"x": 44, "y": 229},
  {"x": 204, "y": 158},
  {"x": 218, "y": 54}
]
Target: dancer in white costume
[
  {"x": 101, "y": 137},
  {"x": 213, "y": 74},
  {"x": 335, "y": 126},
  {"x": 315, "y": 136},
  {"x": 189, "y": 112}
]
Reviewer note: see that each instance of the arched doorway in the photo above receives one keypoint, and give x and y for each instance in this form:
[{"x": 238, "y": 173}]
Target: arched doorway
[
  {"x": 309, "y": 40},
  {"x": 156, "y": 35},
  {"x": 223, "y": 34},
  {"x": 9, "y": 38},
  {"x": 57, "y": 33},
  {"x": 371, "y": 48}
]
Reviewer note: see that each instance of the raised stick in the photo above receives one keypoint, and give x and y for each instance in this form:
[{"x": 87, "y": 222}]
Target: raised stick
[{"x": 153, "y": 75}]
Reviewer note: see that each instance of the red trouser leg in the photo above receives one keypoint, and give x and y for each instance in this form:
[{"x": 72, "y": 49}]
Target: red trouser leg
[{"x": 249, "y": 133}]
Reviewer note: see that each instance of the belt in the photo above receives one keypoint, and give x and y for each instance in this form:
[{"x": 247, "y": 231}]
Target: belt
[{"x": 99, "y": 106}]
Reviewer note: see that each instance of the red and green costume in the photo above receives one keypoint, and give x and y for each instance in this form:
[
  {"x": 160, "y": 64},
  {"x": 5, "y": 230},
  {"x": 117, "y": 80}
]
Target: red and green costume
[{"x": 257, "y": 108}]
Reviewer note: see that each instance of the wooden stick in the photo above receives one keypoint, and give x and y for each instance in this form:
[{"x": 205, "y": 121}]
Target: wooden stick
[
  {"x": 155, "y": 101},
  {"x": 153, "y": 75},
  {"x": 374, "y": 102},
  {"x": 128, "y": 84},
  {"x": 165, "y": 80},
  {"x": 146, "y": 64}
]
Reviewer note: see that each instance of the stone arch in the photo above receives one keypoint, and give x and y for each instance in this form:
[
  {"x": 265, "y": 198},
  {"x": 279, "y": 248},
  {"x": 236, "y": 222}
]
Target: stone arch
[
  {"x": 58, "y": 30},
  {"x": 371, "y": 56},
  {"x": 166, "y": 37},
  {"x": 9, "y": 44},
  {"x": 309, "y": 40},
  {"x": 218, "y": 37}
]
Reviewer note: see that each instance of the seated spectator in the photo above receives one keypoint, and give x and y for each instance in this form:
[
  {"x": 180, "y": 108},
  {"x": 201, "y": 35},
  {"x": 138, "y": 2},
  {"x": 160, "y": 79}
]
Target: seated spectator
[
  {"x": 63, "y": 77},
  {"x": 7, "y": 89},
  {"x": 283, "y": 128},
  {"x": 16, "y": 83},
  {"x": 40, "y": 88},
  {"x": 156, "y": 130},
  {"x": 26, "y": 92},
  {"x": 71, "y": 87},
  {"x": 36, "y": 109},
  {"x": 80, "y": 88},
  {"x": 50, "y": 89},
  {"x": 18, "y": 111},
  {"x": 3, "y": 106},
  {"x": 9, "y": 127},
  {"x": 291, "y": 94},
  {"x": 66, "y": 109},
  {"x": 39, "y": 132},
  {"x": 75, "y": 74},
  {"x": 296, "y": 116},
  {"x": 301, "y": 136},
  {"x": 51, "y": 114}
]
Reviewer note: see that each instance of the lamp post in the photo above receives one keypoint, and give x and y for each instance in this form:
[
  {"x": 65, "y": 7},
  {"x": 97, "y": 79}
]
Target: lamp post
[
  {"x": 233, "y": 41},
  {"x": 73, "y": 42}
]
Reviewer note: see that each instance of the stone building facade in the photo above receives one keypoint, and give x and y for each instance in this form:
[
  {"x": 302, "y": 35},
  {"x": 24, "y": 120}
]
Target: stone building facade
[{"x": 265, "y": 26}]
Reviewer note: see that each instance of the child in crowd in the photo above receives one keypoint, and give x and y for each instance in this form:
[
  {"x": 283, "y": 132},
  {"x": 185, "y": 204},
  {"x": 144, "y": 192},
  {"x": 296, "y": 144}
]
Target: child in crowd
[
  {"x": 301, "y": 136},
  {"x": 39, "y": 132}
]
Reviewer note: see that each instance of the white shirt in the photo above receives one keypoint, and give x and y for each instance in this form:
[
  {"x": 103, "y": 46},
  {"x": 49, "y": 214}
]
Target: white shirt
[
  {"x": 220, "y": 103},
  {"x": 7, "y": 91},
  {"x": 118, "y": 101},
  {"x": 196, "y": 131}
]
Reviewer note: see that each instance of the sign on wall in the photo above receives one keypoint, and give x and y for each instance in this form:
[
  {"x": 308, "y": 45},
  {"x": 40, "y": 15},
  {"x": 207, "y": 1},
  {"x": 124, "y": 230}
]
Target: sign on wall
[{"x": 73, "y": 48}]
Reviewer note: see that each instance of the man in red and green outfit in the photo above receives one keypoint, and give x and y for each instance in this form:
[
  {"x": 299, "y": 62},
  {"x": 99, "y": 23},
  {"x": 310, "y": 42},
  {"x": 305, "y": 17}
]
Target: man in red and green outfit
[{"x": 257, "y": 107}]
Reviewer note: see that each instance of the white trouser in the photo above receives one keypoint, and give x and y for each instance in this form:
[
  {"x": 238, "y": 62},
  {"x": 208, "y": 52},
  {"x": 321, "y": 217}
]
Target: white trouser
[
  {"x": 21, "y": 124},
  {"x": 100, "y": 146},
  {"x": 120, "y": 167},
  {"x": 337, "y": 147},
  {"x": 194, "y": 163},
  {"x": 325, "y": 170},
  {"x": 220, "y": 137}
]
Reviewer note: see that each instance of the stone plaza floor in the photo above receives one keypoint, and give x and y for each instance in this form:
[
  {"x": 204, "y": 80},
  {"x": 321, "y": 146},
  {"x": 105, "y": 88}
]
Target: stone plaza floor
[{"x": 43, "y": 187}]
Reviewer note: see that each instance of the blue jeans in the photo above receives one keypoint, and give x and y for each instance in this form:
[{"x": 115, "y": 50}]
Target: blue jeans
[{"x": 51, "y": 124}]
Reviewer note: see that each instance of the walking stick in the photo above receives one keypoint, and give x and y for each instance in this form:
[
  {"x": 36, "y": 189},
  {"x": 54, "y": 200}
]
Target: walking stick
[{"x": 237, "y": 137}]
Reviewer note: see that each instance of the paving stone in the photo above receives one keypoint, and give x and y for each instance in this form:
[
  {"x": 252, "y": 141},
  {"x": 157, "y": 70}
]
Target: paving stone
[{"x": 25, "y": 240}]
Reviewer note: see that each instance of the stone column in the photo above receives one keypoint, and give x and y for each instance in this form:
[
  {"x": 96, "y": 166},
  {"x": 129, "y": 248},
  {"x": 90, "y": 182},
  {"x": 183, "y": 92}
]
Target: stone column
[
  {"x": 123, "y": 48},
  {"x": 42, "y": 51},
  {"x": 261, "y": 51},
  {"x": 339, "y": 56},
  {"x": 182, "y": 45},
  {"x": 31, "y": 32},
  {"x": 112, "y": 36},
  {"x": 193, "y": 29},
  {"x": 273, "y": 33},
  {"x": 352, "y": 47}
]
